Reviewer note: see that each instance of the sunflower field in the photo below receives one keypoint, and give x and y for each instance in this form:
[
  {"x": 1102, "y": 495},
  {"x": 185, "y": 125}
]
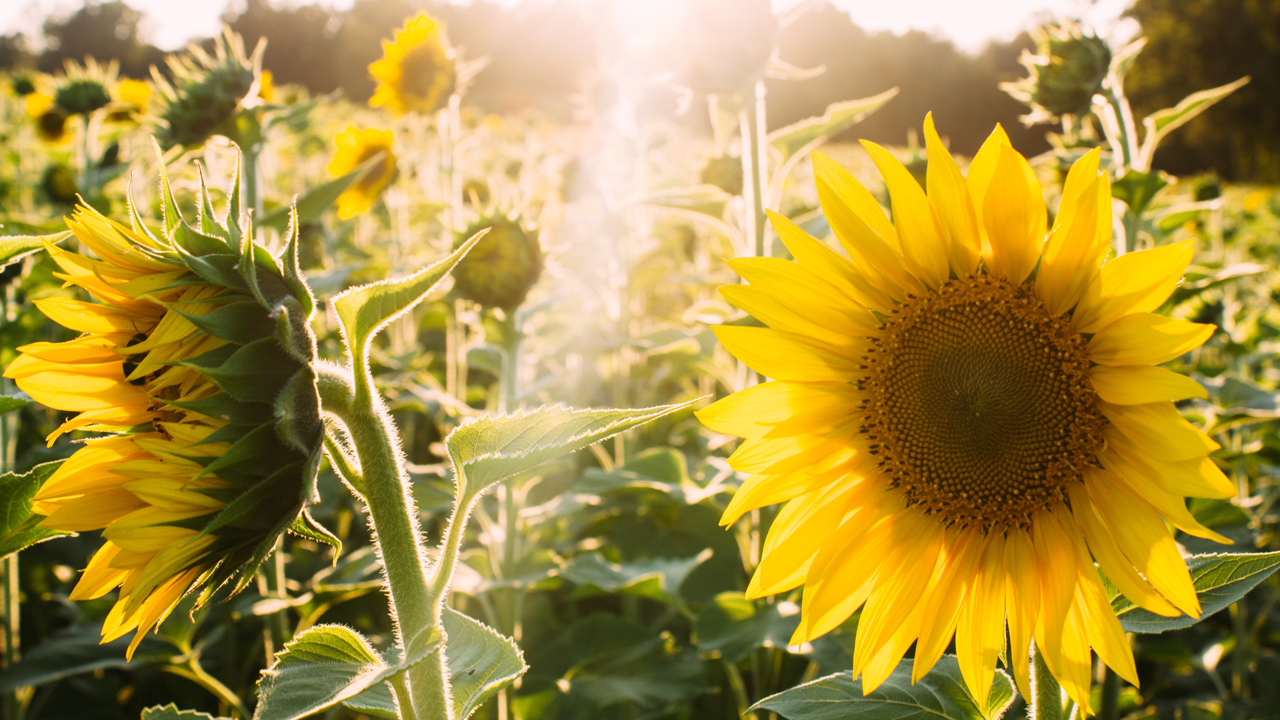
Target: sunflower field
[{"x": 319, "y": 407}]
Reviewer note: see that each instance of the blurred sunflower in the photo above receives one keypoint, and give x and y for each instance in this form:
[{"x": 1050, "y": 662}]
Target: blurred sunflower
[
  {"x": 966, "y": 417},
  {"x": 355, "y": 147},
  {"x": 216, "y": 423},
  {"x": 416, "y": 72},
  {"x": 136, "y": 93}
]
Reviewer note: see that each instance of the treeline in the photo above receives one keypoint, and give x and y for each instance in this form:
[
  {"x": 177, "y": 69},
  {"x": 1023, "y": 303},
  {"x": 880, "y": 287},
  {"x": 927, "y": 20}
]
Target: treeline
[{"x": 550, "y": 55}]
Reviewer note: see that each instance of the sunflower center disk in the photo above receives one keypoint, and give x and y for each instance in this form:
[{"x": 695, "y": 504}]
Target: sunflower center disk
[{"x": 979, "y": 404}]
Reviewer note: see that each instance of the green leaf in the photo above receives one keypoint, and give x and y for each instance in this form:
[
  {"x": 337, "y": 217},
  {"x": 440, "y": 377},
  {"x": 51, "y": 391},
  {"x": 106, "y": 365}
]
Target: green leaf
[
  {"x": 733, "y": 626},
  {"x": 307, "y": 527},
  {"x": 496, "y": 447},
  {"x": 78, "y": 649},
  {"x": 316, "y": 200},
  {"x": 253, "y": 373},
  {"x": 1136, "y": 189},
  {"x": 15, "y": 247},
  {"x": 940, "y": 694},
  {"x": 322, "y": 667},
  {"x": 705, "y": 199},
  {"x": 171, "y": 712},
  {"x": 811, "y": 132},
  {"x": 1220, "y": 579},
  {"x": 18, "y": 525},
  {"x": 17, "y": 401},
  {"x": 1160, "y": 124},
  {"x": 655, "y": 578},
  {"x": 366, "y": 309},
  {"x": 481, "y": 662}
]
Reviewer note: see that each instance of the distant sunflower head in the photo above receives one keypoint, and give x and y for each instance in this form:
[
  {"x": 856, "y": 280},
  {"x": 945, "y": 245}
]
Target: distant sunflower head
[
  {"x": 195, "y": 354},
  {"x": 968, "y": 419},
  {"x": 355, "y": 147},
  {"x": 23, "y": 85},
  {"x": 503, "y": 267},
  {"x": 417, "y": 70},
  {"x": 205, "y": 91},
  {"x": 86, "y": 88},
  {"x": 50, "y": 120},
  {"x": 1065, "y": 72}
]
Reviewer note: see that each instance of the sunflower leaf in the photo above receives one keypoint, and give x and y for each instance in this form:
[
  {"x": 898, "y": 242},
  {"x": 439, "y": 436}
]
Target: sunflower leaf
[
  {"x": 171, "y": 712},
  {"x": 322, "y": 667},
  {"x": 481, "y": 662},
  {"x": 806, "y": 134},
  {"x": 492, "y": 448},
  {"x": 17, "y": 401},
  {"x": 15, "y": 247},
  {"x": 18, "y": 524},
  {"x": 734, "y": 626},
  {"x": 79, "y": 649},
  {"x": 940, "y": 694},
  {"x": 1220, "y": 579},
  {"x": 366, "y": 309},
  {"x": 317, "y": 199}
]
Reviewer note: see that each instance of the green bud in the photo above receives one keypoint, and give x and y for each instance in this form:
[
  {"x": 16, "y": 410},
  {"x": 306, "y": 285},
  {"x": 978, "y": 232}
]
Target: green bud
[
  {"x": 206, "y": 91},
  {"x": 502, "y": 268}
]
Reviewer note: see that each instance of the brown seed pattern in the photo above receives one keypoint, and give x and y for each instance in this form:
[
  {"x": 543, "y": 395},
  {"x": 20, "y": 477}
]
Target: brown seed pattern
[{"x": 979, "y": 406}]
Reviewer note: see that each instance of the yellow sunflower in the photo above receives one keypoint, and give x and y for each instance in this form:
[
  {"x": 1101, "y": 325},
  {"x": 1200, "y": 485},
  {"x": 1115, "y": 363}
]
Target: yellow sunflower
[
  {"x": 967, "y": 420},
  {"x": 177, "y": 358},
  {"x": 355, "y": 146},
  {"x": 416, "y": 72}
]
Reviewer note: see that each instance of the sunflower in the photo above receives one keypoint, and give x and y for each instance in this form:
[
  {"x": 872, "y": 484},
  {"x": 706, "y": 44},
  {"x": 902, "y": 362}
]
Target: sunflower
[
  {"x": 968, "y": 421},
  {"x": 355, "y": 147},
  {"x": 416, "y": 72},
  {"x": 213, "y": 423}
]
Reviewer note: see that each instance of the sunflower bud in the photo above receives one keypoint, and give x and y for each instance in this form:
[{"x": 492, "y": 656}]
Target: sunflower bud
[
  {"x": 731, "y": 43},
  {"x": 417, "y": 72},
  {"x": 502, "y": 268},
  {"x": 206, "y": 90},
  {"x": 83, "y": 90},
  {"x": 59, "y": 184},
  {"x": 196, "y": 352},
  {"x": 1065, "y": 73},
  {"x": 355, "y": 146}
]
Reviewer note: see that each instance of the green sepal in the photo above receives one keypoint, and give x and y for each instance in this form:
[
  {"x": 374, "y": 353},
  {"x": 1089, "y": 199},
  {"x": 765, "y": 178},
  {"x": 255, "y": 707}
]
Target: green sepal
[
  {"x": 307, "y": 527},
  {"x": 208, "y": 216},
  {"x": 225, "y": 407},
  {"x": 260, "y": 502},
  {"x": 293, "y": 271},
  {"x": 293, "y": 332},
  {"x": 235, "y": 207},
  {"x": 258, "y": 446},
  {"x": 297, "y": 412},
  {"x": 171, "y": 216},
  {"x": 237, "y": 568},
  {"x": 254, "y": 372},
  {"x": 216, "y": 269},
  {"x": 268, "y": 288},
  {"x": 238, "y": 322}
]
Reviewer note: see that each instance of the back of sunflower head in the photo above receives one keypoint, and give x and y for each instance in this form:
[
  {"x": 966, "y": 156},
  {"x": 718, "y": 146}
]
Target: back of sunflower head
[{"x": 197, "y": 358}]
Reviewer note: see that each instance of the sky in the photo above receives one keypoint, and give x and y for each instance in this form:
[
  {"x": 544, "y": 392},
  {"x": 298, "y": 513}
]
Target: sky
[{"x": 968, "y": 23}]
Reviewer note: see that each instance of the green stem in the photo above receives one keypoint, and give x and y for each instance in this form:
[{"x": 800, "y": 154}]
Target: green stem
[
  {"x": 12, "y": 704},
  {"x": 739, "y": 689},
  {"x": 751, "y": 119},
  {"x": 512, "y": 597},
  {"x": 88, "y": 175},
  {"x": 252, "y": 196},
  {"x": 1109, "y": 707},
  {"x": 1046, "y": 701},
  {"x": 414, "y": 607},
  {"x": 195, "y": 672}
]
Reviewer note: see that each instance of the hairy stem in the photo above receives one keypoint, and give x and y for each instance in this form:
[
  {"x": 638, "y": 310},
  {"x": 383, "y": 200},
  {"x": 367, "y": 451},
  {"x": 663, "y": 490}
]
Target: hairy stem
[
  {"x": 1046, "y": 701},
  {"x": 395, "y": 523},
  {"x": 1109, "y": 707},
  {"x": 195, "y": 672}
]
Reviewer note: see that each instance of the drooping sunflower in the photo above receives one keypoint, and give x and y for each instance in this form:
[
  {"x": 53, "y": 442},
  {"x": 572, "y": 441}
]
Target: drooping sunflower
[
  {"x": 355, "y": 146},
  {"x": 968, "y": 420},
  {"x": 195, "y": 357},
  {"x": 417, "y": 71}
]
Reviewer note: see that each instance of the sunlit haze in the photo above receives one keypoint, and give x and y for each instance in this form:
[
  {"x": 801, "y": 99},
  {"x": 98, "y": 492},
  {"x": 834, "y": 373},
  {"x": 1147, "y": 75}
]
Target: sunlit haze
[{"x": 170, "y": 24}]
